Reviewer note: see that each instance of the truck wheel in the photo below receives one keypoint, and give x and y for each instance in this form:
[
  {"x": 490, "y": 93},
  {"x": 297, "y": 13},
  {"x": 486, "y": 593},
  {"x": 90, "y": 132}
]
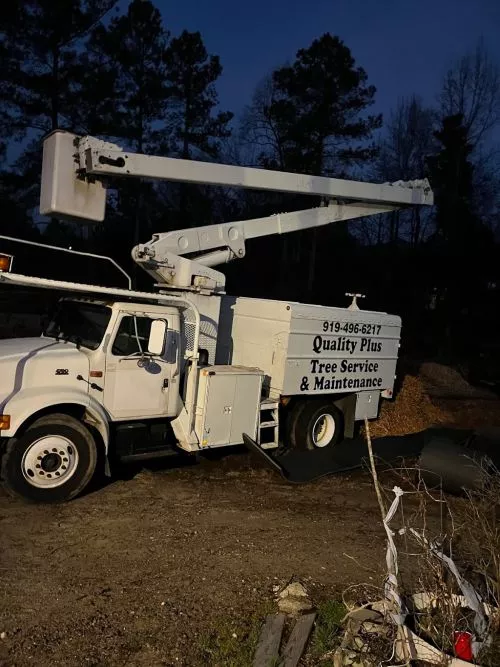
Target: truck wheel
[
  {"x": 315, "y": 425},
  {"x": 52, "y": 461}
]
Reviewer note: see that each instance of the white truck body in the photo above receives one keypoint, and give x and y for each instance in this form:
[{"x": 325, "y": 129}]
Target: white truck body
[
  {"x": 312, "y": 350},
  {"x": 264, "y": 350}
]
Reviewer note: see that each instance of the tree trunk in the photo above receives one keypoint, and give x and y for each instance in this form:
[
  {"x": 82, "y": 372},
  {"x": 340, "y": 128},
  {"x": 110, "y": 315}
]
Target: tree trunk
[
  {"x": 137, "y": 229},
  {"x": 380, "y": 222},
  {"x": 184, "y": 188},
  {"x": 55, "y": 89},
  {"x": 312, "y": 262},
  {"x": 54, "y": 102},
  {"x": 285, "y": 260},
  {"x": 394, "y": 227},
  {"x": 417, "y": 226}
]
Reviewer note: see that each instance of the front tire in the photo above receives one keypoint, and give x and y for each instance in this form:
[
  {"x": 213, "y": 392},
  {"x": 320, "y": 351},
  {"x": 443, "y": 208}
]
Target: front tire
[
  {"x": 315, "y": 424},
  {"x": 52, "y": 461}
]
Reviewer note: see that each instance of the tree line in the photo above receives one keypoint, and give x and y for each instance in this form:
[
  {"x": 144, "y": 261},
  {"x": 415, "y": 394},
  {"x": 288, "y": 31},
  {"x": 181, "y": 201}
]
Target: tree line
[{"x": 89, "y": 67}]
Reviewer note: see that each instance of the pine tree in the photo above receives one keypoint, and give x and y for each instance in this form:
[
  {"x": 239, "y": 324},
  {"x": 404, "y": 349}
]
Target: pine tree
[
  {"x": 195, "y": 127},
  {"x": 310, "y": 117},
  {"x": 126, "y": 76},
  {"x": 463, "y": 260},
  {"x": 451, "y": 174},
  {"x": 126, "y": 85},
  {"x": 40, "y": 78},
  {"x": 40, "y": 73},
  {"x": 191, "y": 74},
  {"x": 316, "y": 111}
]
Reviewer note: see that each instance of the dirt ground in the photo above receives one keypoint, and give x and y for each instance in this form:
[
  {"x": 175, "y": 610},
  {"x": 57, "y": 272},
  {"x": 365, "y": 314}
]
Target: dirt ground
[
  {"x": 139, "y": 572},
  {"x": 135, "y": 573}
]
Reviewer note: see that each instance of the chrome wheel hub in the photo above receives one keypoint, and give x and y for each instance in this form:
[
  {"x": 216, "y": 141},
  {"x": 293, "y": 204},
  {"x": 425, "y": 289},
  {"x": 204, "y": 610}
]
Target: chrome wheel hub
[{"x": 49, "y": 461}]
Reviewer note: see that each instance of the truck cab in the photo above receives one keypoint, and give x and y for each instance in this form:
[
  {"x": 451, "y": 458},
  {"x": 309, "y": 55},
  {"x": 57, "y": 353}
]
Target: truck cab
[{"x": 97, "y": 363}]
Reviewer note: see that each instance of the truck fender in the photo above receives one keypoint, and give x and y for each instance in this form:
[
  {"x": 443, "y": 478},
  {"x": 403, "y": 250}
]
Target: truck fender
[
  {"x": 27, "y": 402},
  {"x": 96, "y": 416}
]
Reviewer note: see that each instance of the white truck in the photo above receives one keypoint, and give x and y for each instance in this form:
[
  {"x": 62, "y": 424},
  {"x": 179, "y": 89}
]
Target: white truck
[{"x": 127, "y": 374}]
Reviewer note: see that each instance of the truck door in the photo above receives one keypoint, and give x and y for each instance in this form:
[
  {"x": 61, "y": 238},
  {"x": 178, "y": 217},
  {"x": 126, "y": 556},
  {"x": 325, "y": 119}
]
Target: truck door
[{"x": 138, "y": 385}]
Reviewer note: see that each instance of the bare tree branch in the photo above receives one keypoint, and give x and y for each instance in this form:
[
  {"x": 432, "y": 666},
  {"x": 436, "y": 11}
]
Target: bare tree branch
[
  {"x": 471, "y": 88},
  {"x": 258, "y": 128},
  {"x": 403, "y": 152}
]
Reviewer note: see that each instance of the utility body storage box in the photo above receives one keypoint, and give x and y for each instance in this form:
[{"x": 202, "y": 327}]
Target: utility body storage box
[
  {"x": 309, "y": 349},
  {"x": 228, "y": 404}
]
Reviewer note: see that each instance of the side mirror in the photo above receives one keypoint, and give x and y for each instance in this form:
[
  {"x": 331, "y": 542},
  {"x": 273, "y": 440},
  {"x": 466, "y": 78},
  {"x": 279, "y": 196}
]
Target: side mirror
[{"x": 156, "y": 342}]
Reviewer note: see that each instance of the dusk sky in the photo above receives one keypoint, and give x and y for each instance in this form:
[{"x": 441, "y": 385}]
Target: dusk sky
[{"x": 405, "y": 46}]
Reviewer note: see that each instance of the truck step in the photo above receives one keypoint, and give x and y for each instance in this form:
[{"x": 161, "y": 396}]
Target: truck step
[
  {"x": 268, "y": 424},
  {"x": 269, "y": 404},
  {"x": 269, "y": 420}
]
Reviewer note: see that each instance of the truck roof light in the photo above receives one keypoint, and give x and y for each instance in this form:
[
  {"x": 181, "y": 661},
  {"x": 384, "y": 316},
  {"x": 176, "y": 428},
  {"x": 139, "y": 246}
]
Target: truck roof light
[{"x": 6, "y": 262}]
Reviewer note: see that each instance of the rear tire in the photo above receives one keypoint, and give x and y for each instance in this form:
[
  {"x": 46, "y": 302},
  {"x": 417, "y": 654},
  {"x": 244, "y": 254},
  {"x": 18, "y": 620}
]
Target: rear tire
[
  {"x": 52, "y": 461},
  {"x": 315, "y": 424}
]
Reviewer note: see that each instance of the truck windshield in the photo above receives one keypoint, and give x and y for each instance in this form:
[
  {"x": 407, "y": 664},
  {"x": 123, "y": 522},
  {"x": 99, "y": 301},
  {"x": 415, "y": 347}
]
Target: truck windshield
[{"x": 82, "y": 323}]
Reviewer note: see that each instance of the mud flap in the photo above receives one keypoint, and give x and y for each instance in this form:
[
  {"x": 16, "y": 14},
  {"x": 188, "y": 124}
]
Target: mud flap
[{"x": 301, "y": 467}]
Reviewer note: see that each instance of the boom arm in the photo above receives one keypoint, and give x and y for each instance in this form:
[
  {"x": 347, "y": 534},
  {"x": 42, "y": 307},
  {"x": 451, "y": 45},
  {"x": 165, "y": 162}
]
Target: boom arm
[
  {"x": 88, "y": 161},
  {"x": 217, "y": 244},
  {"x": 104, "y": 159}
]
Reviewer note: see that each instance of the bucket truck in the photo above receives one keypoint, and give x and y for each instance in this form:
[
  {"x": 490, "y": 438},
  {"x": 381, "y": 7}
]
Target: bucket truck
[{"x": 186, "y": 367}]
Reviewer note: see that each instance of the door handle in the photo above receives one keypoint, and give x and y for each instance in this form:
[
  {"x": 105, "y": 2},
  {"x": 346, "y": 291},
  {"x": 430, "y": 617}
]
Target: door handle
[{"x": 165, "y": 384}]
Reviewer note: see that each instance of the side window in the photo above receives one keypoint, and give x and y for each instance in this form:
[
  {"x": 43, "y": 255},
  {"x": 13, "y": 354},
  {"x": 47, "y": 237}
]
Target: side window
[{"x": 132, "y": 336}]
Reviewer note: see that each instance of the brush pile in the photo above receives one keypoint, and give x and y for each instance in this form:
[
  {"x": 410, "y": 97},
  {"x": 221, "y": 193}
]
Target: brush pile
[{"x": 410, "y": 412}]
